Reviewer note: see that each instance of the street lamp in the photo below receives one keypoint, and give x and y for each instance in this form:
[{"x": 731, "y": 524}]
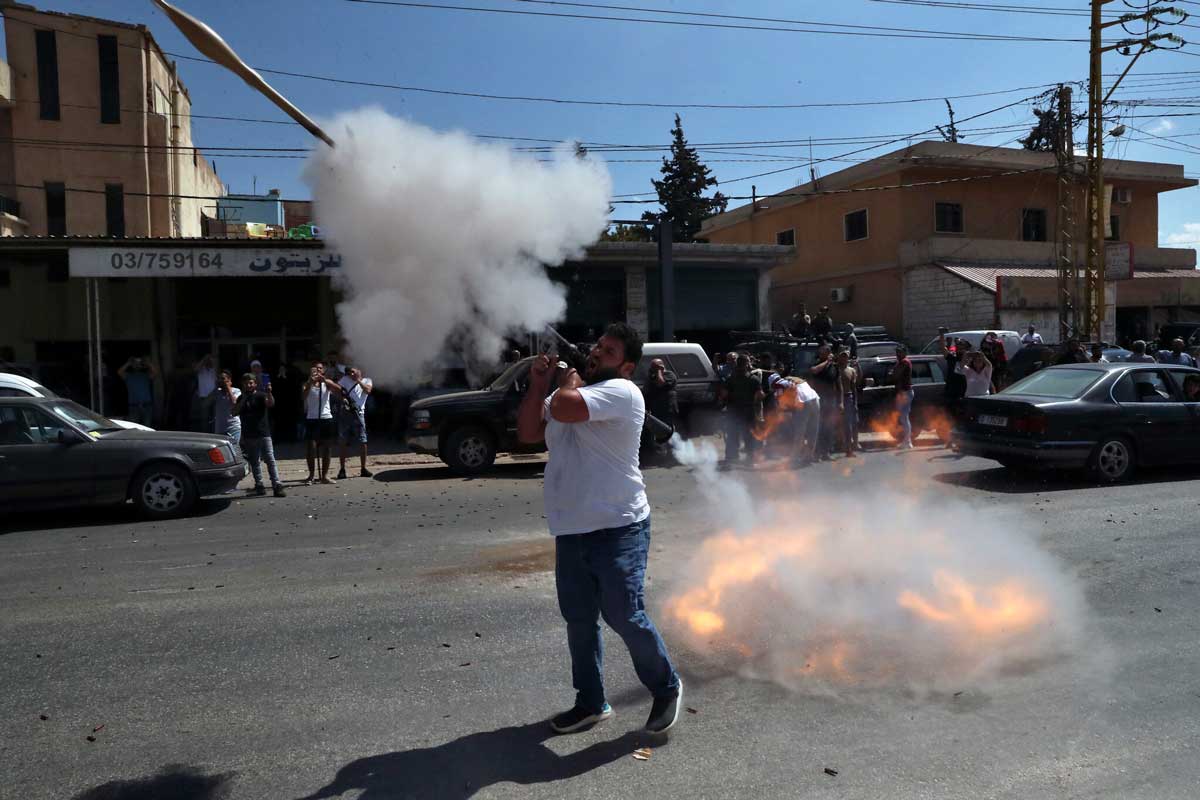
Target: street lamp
[{"x": 208, "y": 42}]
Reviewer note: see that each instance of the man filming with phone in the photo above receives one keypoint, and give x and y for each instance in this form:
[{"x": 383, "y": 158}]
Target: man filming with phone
[{"x": 597, "y": 510}]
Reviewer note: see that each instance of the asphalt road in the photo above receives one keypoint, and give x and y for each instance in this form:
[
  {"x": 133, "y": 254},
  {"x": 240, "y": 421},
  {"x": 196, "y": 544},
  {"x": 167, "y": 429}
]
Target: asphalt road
[{"x": 399, "y": 637}]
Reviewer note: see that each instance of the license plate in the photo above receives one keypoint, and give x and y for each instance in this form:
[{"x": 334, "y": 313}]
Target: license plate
[{"x": 996, "y": 422}]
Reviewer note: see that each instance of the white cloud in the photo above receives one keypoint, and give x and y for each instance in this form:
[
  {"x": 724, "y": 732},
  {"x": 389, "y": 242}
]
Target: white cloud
[
  {"x": 1161, "y": 127},
  {"x": 1187, "y": 235}
]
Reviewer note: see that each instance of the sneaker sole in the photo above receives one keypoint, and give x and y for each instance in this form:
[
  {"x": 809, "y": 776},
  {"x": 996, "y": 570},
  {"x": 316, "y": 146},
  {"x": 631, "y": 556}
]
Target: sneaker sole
[
  {"x": 674, "y": 719},
  {"x": 586, "y": 722}
]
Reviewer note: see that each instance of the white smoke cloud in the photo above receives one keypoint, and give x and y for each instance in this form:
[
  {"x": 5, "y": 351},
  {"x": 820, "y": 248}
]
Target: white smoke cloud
[
  {"x": 444, "y": 237},
  {"x": 870, "y": 588}
]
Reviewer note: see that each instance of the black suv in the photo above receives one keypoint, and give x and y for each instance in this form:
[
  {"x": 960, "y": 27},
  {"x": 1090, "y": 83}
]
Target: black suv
[{"x": 467, "y": 429}]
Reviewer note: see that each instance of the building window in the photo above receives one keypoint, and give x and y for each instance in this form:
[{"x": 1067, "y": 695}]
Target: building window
[
  {"x": 948, "y": 218},
  {"x": 57, "y": 271},
  {"x": 1114, "y": 228},
  {"x": 114, "y": 209},
  {"x": 1033, "y": 225},
  {"x": 786, "y": 238},
  {"x": 56, "y": 209},
  {"x": 854, "y": 225},
  {"x": 47, "y": 73},
  {"x": 110, "y": 81},
  {"x": 5, "y": 277}
]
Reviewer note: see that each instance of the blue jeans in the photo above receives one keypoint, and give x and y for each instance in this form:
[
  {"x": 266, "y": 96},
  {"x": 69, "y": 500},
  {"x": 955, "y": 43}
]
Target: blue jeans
[
  {"x": 261, "y": 448},
  {"x": 602, "y": 574},
  {"x": 904, "y": 402}
]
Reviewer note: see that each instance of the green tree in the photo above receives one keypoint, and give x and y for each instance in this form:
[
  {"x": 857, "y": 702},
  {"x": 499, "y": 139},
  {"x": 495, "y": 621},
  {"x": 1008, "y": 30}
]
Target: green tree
[
  {"x": 681, "y": 190},
  {"x": 626, "y": 233}
]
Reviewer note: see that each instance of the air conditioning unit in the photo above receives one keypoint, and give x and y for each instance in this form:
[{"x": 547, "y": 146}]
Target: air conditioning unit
[
  {"x": 839, "y": 295},
  {"x": 1123, "y": 195}
]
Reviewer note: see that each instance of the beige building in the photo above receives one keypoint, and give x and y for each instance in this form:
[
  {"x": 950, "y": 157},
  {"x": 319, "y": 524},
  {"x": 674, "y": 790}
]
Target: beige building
[
  {"x": 885, "y": 242},
  {"x": 95, "y": 131},
  {"x": 95, "y": 140}
]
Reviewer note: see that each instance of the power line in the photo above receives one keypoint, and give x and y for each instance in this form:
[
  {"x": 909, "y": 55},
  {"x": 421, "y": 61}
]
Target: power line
[
  {"x": 584, "y": 102},
  {"x": 896, "y": 34},
  {"x": 862, "y": 189}
]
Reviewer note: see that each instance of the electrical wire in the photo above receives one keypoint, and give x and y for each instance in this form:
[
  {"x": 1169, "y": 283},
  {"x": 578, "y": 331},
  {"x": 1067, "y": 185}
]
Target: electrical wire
[
  {"x": 957, "y": 36},
  {"x": 583, "y": 102}
]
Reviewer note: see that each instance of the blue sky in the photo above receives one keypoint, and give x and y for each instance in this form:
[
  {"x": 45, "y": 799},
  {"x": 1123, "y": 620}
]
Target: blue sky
[{"x": 570, "y": 58}]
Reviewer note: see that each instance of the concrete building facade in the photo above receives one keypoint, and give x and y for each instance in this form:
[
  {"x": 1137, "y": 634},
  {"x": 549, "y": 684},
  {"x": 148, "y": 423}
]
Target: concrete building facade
[
  {"x": 95, "y": 131},
  {"x": 868, "y": 239}
]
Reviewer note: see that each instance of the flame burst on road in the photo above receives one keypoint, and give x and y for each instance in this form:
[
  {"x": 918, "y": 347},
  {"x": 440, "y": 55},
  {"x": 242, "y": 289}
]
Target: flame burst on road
[{"x": 868, "y": 594}]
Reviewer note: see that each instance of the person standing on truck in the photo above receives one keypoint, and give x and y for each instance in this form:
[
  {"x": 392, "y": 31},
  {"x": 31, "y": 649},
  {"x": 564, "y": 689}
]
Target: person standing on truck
[
  {"x": 902, "y": 379},
  {"x": 597, "y": 510}
]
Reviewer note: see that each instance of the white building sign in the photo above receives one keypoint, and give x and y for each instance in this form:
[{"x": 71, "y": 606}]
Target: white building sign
[{"x": 200, "y": 262}]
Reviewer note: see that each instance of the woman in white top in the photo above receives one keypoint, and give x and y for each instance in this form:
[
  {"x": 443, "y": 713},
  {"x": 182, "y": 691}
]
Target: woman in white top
[{"x": 978, "y": 372}]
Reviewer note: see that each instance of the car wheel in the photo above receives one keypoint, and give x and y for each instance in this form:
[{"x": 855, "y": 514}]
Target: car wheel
[
  {"x": 163, "y": 490},
  {"x": 469, "y": 450},
  {"x": 1113, "y": 461}
]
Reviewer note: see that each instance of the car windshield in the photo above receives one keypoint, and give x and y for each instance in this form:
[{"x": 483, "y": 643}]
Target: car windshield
[
  {"x": 1060, "y": 383},
  {"x": 510, "y": 375},
  {"x": 84, "y": 418}
]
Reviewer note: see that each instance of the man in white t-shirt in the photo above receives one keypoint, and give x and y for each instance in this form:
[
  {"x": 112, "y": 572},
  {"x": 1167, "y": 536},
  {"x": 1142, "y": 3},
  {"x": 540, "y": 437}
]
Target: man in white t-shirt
[
  {"x": 319, "y": 427},
  {"x": 1031, "y": 337},
  {"x": 352, "y": 421},
  {"x": 597, "y": 510}
]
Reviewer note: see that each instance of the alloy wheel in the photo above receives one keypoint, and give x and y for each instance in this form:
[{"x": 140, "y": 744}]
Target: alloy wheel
[
  {"x": 162, "y": 492},
  {"x": 472, "y": 452},
  {"x": 1113, "y": 459}
]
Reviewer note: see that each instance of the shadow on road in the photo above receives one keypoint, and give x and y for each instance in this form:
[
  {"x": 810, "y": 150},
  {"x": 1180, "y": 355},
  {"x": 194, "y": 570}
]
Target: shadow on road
[
  {"x": 460, "y": 768},
  {"x": 1008, "y": 481},
  {"x": 174, "y": 781},
  {"x": 520, "y": 470},
  {"x": 97, "y": 517}
]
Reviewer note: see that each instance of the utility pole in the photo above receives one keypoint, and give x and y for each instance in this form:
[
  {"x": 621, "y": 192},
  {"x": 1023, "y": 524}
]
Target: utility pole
[
  {"x": 1066, "y": 263},
  {"x": 1093, "y": 319}
]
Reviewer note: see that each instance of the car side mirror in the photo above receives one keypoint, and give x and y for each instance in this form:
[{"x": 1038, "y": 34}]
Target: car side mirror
[{"x": 67, "y": 438}]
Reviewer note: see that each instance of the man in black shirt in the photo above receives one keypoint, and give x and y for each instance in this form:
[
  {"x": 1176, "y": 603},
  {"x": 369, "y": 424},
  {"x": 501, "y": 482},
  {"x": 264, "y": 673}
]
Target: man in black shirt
[
  {"x": 252, "y": 407},
  {"x": 741, "y": 394},
  {"x": 661, "y": 401},
  {"x": 822, "y": 376}
]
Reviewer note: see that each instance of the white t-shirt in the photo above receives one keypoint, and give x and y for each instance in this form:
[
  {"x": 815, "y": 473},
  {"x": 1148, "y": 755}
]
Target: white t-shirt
[
  {"x": 316, "y": 403},
  {"x": 1031, "y": 338},
  {"x": 206, "y": 381},
  {"x": 355, "y": 392},
  {"x": 806, "y": 393},
  {"x": 978, "y": 383},
  {"x": 592, "y": 479}
]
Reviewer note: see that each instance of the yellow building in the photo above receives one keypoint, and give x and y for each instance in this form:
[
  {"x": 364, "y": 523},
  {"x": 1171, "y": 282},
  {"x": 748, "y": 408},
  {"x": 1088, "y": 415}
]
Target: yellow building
[{"x": 879, "y": 242}]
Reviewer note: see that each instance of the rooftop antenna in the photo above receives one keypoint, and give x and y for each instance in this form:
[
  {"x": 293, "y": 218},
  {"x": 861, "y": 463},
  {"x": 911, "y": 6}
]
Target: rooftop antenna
[{"x": 208, "y": 42}]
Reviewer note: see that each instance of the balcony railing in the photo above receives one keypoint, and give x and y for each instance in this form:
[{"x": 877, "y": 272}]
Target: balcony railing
[{"x": 8, "y": 206}]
